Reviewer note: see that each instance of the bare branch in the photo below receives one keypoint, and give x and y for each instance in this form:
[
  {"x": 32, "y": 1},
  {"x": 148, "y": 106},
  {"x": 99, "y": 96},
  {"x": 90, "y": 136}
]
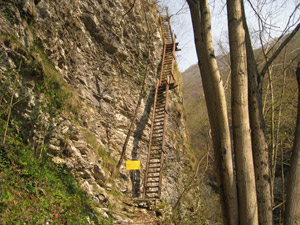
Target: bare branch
[
  {"x": 279, "y": 49},
  {"x": 132, "y": 6},
  {"x": 259, "y": 17}
]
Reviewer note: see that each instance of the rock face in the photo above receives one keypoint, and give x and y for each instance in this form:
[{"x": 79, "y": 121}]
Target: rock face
[{"x": 100, "y": 48}]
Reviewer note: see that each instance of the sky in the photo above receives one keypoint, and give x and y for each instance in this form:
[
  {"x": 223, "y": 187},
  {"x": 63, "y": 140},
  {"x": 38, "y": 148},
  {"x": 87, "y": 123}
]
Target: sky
[{"x": 274, "y": 13}]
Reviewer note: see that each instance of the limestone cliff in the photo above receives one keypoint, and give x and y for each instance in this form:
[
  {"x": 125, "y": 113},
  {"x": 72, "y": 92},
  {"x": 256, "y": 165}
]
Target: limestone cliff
[{"x": 96, "y": 52}]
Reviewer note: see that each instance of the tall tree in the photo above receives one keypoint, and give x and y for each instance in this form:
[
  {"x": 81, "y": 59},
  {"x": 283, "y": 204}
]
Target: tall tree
[
  {"x": 259, "y": 144},
  {"x": 292, "y": 212},
  {"x": 217, "y": 109},
  {"x": 248, "y": 211}
]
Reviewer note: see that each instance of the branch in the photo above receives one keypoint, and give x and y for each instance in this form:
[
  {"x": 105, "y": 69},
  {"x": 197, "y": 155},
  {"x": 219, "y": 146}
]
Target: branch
[
  {"x": 259, "y": 17},
  {"x": 283, "y": 44},
  {"x": 287, "y": 25},
  {"x": 179, "y": 11},
  {"x": 192, "y": 180},
  {"x": 129, "y": 9}
]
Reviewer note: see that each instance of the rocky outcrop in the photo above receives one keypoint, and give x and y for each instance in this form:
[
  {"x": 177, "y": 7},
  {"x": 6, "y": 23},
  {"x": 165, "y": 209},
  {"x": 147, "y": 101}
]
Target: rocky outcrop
[{"x": 99, "y": 48}]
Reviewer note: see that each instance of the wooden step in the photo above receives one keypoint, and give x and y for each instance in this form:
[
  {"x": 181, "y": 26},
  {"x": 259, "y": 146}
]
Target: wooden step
[
  {"x": 150, "y": 187},
  {"x": 151, "y": 192},
  {"x": 152, "y": 182},
  {"x": 152, "y": 163},
  {"x": 155, "y": 157},
  {"x": 154, "y": 167},
  {"x": 156, "y": 170},
  {"x": 153, "y": 177},
  {"x": 153, "y": 172}
]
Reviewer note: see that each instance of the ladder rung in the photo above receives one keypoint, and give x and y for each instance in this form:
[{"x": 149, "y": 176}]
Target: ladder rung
[
  {"x": 156, "y": 186},
  {"x": 157, "y": 139},
  {"x": 158, "y": 150},
  {"x": 153, "y": 172},
  {"x": 152, "y": 181},
  {"x": 156, "y": 145},
  {"x": 150, "y": 187},
  {"x": 157, "y": 129},
  {"x": 151, "y": 192},
  {"x": 155, "y": 155},
  {"x": 154, "y": 149},
  {"x": 154, "y": 163},
  {"x": 150, "y": 197},
  {"x": 153, "y": 176},
  {"x": 154, "y": 167},
  {"x": 155, "y": 158},
  {"x": 156, "y": 170}
]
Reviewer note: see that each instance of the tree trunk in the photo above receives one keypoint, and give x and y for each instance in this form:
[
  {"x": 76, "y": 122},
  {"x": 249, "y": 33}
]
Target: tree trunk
[
  {"x": 217, "y": 112},
  {"x": 258, "y": 140},
  {"x": 292, "y": 213},
  {"x": 240, "y": 116},
  {"x": 224, "y": 152}
]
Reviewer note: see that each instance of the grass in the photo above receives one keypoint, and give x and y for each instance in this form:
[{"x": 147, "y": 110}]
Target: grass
[{"x": 34, "y": 190}]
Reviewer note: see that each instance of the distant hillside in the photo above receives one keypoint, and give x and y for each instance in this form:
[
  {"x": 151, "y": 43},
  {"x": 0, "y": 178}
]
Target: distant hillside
[{"x": 194, "y": 101}]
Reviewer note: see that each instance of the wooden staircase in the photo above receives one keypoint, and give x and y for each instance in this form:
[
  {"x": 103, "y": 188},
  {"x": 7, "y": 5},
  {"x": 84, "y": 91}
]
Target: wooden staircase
[{"x": 154, "y": 165}]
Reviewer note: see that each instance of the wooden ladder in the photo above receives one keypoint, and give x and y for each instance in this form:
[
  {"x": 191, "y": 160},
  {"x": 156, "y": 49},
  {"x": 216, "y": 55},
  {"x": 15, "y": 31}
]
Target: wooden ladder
[{"x": 154, "y": 165}]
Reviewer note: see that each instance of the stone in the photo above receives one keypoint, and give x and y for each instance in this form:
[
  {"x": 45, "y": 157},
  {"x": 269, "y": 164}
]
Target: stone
[
  {"x": 52, "y": 149},
  {"x": 58, "y": 160},
  {"x": 99, "y": 173},
  {"x": 103, "y": 212},
  {"x": 108, "y": 186},
  {"x": 111, "y": 46},
  {"x": 107, "y": 98}
]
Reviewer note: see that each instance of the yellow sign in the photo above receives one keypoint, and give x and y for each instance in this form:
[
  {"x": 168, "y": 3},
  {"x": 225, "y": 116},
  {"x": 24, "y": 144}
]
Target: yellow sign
[{"x": 133, "y": 165}]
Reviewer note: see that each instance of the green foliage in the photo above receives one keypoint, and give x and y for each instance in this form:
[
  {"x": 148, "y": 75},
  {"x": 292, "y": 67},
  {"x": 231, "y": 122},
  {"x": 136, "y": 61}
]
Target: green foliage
[{"x": 35, "y": 191}]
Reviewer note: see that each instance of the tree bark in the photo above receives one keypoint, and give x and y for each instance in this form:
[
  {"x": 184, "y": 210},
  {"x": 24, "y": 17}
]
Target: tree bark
[
  {"x": 240, "y": 116},
  {"x": 292, "y": 213},
  {"x": 217, "y": 110},
  {"x": 224, "y": 152},
  {"x": 258, "y": 140}
]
